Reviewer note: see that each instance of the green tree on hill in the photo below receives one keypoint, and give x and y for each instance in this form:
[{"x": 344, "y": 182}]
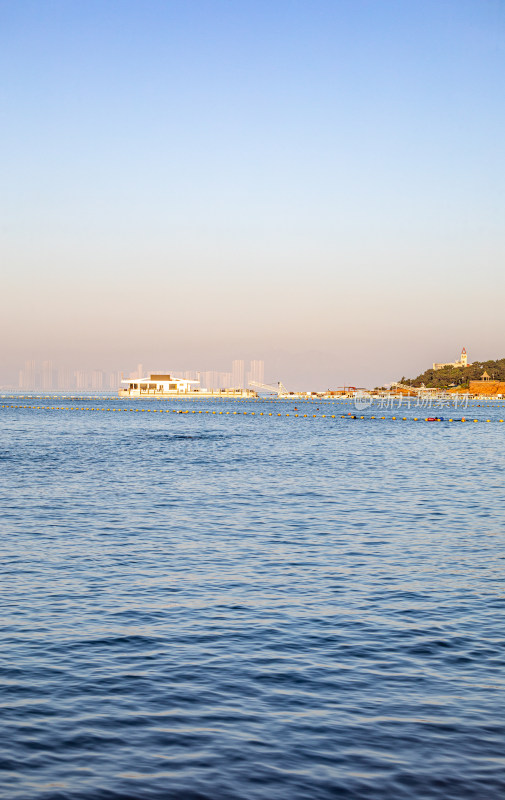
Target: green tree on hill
[{"x": 459, "y": 376}]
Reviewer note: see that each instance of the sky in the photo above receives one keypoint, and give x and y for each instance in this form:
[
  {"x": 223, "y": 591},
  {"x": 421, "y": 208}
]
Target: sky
[{"x": 316, "y": 184}]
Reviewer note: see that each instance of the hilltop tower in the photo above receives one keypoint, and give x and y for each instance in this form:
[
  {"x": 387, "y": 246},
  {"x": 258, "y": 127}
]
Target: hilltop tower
[{"x": 463, "y": 362}]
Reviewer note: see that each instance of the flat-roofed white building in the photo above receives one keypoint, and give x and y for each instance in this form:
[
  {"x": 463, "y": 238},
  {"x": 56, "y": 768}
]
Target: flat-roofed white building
[
  {"x": 155, "y": 384},
  {"x": 161, "y": 386}
]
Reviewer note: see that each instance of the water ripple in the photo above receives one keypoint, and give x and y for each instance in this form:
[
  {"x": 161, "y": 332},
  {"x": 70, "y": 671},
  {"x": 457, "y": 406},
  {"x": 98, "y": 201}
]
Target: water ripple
[{"x": 203, "y": 607}]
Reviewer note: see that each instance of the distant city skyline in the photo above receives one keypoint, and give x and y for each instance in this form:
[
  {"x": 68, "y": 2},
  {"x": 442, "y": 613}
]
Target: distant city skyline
[{"x": 47, "y": 376}]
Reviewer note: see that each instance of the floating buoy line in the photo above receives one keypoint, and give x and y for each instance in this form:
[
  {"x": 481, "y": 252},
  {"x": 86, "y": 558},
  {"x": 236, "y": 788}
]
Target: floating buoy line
[{"x": 347, "y": 416}]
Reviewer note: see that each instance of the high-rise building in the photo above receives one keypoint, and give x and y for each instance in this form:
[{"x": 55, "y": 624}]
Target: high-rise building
[
  {"x": 47, "y": 376},
  {"x": 97, "y": 379},
  {"x": 27, "y": 376},
  {"x": 237, "y": 374},
  {"x": 114, "y": 380},
  {"x": 256, "y": 372},
  {"x": 209, "y": 380},
  {"x": 81, "y": 380},
  {"x": 65, "y": 380},
  {"x": 225, "y": 381},
  {"x": 138, "y": 372}
]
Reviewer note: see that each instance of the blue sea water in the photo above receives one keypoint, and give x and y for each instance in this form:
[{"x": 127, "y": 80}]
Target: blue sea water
[{"x": 205, "y": 606}]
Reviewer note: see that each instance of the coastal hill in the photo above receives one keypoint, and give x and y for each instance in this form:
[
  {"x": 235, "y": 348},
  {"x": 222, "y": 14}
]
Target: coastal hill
[{"x": 459, "y": 376}]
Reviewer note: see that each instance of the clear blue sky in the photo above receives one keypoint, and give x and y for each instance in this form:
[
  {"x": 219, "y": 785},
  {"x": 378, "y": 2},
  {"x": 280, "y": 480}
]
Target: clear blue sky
[{"x": 319, "y": 184}]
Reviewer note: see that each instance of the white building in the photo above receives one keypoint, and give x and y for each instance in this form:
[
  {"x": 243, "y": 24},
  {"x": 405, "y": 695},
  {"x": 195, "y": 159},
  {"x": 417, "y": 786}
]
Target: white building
[
  {"x": 163, "y": 386},
  {"x": 463, "y": 362},
  {"x": 155, "y": 384}
]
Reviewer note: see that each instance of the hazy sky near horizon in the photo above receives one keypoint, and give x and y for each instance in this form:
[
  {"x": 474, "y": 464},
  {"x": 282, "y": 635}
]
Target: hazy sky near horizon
[{"x": 318, "y": 184}]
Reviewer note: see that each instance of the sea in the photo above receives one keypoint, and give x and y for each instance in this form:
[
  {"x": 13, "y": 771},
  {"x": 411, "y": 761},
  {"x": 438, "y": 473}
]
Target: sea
[{"x": 251, "y": 600}]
